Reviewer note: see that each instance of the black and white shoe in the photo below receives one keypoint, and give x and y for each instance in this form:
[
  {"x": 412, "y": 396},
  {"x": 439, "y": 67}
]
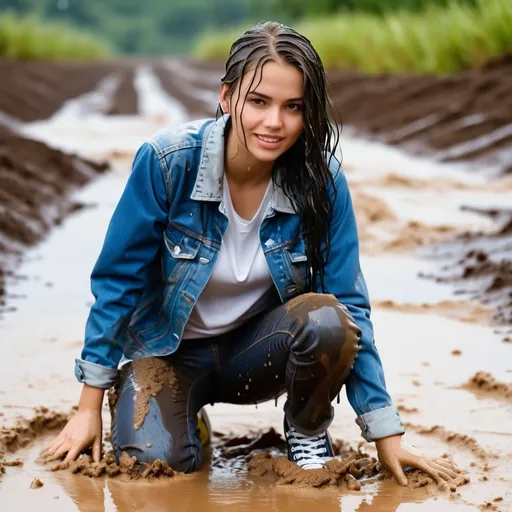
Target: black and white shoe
[{"x": 308, "y": 452}]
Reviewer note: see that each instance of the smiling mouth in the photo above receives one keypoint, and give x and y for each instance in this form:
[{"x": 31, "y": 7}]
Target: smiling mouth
[{"x": 266, "y": 138}]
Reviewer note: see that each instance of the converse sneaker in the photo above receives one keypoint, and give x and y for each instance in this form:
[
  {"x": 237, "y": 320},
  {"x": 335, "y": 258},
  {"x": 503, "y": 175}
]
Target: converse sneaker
[{"x": 308, "y": 452}]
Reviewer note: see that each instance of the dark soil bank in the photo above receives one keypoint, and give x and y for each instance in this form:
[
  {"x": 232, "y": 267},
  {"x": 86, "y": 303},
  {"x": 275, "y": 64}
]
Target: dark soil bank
[
  {"x": 32, "y": 91},
  {"x": 463, "y": 116},
  {"x": 35, "y": 182}
]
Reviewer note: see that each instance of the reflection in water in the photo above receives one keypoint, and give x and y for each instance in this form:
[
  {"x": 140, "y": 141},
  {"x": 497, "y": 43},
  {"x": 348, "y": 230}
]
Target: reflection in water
[{"x": 214, "y": 489}]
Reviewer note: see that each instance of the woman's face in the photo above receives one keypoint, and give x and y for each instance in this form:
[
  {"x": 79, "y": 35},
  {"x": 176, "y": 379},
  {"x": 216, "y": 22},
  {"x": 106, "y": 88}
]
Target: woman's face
[{"x": 272, "y": 110}]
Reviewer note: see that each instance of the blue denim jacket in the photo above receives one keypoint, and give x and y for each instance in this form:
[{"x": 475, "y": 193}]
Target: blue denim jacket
[{"x": 161, "y": 247}]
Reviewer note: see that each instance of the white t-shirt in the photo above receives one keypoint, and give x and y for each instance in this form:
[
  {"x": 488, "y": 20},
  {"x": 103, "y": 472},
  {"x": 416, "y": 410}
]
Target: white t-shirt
[{"x": 240, "y": 278}]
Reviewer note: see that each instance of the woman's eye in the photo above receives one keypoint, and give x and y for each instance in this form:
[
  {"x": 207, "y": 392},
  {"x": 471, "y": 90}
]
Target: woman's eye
[
  {"x": 257, "y": 101},
  {"x": 294, "y": 106}
]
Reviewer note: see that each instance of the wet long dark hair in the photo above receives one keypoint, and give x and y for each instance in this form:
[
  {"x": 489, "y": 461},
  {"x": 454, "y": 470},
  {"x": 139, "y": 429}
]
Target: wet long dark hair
[{"x": 303, "y": 169}]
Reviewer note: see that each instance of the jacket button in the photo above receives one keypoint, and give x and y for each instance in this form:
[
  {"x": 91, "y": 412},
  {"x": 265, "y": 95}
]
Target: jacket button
[
  {"x": 80, "y": 374},
  {"x": 176, "y": 249},
  {"x": 204, "y": 261}
]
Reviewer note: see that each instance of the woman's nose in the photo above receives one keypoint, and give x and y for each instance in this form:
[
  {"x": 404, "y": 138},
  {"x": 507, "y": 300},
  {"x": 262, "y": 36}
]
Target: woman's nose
[{"x": 273, "y": 118}]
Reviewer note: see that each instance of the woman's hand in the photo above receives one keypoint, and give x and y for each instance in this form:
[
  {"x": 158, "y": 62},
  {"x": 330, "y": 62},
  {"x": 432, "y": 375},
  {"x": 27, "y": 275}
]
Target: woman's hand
[
  {"x": 82, "y": 431},
  {"x": 395, "y": 454}
]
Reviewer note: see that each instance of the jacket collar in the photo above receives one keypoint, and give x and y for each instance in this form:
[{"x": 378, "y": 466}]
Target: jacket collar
[{"x": 208, "y": 185}]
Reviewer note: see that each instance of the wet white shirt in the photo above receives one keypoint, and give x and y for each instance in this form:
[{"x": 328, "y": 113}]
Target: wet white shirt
[{"x": 240, "y": 277}]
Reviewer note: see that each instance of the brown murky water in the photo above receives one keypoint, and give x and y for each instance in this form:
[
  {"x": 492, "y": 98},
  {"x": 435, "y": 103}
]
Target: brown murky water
[{"x": 430, "y": 348}]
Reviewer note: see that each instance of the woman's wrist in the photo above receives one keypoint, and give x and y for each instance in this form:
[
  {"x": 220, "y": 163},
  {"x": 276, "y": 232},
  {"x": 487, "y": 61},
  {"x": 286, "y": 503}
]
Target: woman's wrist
[{"x": 91, "y": 399}]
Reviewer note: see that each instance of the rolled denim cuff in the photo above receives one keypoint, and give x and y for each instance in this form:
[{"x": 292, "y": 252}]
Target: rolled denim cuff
[
  {"x": 380, "y": 423},
  {"x": 95, "y": 375}
]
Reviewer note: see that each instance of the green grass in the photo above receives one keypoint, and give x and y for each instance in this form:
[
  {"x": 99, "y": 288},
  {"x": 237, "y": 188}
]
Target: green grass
[
  {"x": 30, "y": 39},
  {"x": 439, "y": 40}
]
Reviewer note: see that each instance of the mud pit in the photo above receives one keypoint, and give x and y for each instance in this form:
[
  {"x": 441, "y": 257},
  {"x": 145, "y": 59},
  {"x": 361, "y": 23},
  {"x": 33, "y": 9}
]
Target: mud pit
[{"x": 402, "y": 204}]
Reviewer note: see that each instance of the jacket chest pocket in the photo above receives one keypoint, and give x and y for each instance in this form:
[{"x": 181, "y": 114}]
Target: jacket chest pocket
[
  {"x": 181, "y": 254},
  {"x": 296, "y": 265}
]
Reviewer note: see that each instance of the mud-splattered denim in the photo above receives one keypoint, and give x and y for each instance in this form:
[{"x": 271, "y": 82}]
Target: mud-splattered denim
[{"x": 305, "y": 347}]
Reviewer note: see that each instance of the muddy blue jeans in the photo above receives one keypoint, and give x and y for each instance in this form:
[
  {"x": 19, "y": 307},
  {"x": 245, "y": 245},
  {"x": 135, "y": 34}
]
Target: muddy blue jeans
[{"x": 305, "y": 347}]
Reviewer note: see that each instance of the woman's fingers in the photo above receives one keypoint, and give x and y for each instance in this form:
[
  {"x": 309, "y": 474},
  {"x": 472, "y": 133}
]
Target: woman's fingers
[
  {"x": 74, "y": 452},
  {"x": 441, "y": 478},
  {"x": 396, "y": 468},
  {"x": 96, "y": 450},
  {"x": 50, "y": 449},
  {"x": 448, "y": 465},
  {"x": 59, "y": 452},
  {"x": 443, "y": 469}
]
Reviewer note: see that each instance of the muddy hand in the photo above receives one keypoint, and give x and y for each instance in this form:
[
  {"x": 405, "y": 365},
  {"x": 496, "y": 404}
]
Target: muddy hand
[
  {"x": 81, "y": 432},
  {"x": 394, "y": 454}
]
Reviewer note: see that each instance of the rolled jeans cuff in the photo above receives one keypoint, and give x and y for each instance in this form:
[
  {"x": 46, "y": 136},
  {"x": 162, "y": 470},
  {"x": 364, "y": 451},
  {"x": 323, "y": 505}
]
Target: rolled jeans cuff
[
  {"x": 380, "y": 423},
  {"x": 95, "y": 375}
]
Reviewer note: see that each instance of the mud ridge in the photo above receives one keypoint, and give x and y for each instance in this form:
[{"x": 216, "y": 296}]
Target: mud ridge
[
  {"x": 481, "y": 263},
  {"x": 26, "y": 430},
  {"x": 433, "y": 114},
  {"x": 463, "y": 441},
  {"x": 465, "y": 311},
  {"x": 36, "y": 180}
]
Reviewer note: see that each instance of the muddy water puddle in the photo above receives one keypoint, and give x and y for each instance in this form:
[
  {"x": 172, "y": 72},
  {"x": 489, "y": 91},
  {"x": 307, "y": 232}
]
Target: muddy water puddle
[
  {"x": 428, "y": 356},
  {"x": 212, "y": 488}
]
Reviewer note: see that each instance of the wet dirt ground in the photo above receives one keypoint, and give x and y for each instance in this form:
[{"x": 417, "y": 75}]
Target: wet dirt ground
[{"x": 432, "y": 340}]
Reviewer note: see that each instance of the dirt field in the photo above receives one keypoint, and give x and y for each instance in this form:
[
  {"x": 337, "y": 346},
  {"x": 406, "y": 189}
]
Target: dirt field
[{"x": 452, "y": 327}]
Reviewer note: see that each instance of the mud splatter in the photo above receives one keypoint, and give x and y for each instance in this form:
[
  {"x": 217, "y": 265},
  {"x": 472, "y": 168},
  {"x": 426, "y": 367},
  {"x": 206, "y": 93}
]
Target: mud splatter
[
  {"x": 151, "y": 374},
  {"x": 485, "y": 383},
  {"x": 112, "y": 400},
  {"x": 317, "y": 300}
]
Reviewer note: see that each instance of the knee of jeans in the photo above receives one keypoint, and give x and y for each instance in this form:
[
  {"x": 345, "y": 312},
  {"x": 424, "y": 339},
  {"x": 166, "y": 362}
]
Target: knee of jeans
[
  {"x": 186, "y": 460},
  {"x": 327, "y": 328}
]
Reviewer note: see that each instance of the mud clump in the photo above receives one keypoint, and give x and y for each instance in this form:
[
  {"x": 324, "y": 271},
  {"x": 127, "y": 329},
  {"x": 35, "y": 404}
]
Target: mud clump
[
  {"x": 36, "y": 484},
  {"x": 151, "y": 374},
  {"x": 288, "y": 472},
  {"x": 486, "y": 383},
  {"x": 107, "y": 466}
]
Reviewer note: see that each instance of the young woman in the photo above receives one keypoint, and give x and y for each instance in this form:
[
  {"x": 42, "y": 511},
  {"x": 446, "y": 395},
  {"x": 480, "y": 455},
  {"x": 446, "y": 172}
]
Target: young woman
[{"x": 230, "y": 273}]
